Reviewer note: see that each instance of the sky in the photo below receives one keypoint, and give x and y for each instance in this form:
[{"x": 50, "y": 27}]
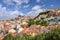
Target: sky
[{"x": 12, "y": 8}]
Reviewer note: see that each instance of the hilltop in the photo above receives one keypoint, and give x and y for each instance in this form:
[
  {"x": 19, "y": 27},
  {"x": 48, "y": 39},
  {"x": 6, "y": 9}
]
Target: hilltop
[{"x": 49, "y": 16}]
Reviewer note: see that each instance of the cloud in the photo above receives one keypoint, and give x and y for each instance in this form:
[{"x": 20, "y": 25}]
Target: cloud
[
  {"x": 35, "y": 11},
  {"x": 37, "y": 1},
  {"x": 18, "y": 2},
  {"x": 37, "y": 7},
  {"x": 21, "y": 1},
  {"x": 51, "y": 5},
  {"x": 5, "y": 14},
  {"x": 26, "y": 6},
  {"x": 8, "y": 2}
]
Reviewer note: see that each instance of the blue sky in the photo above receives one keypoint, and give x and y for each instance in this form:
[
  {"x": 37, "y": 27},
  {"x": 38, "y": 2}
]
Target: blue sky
[{"x": 12, "y": 8}]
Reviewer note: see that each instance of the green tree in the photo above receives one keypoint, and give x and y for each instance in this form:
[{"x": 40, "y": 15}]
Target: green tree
[
  {"x": 43, "y": 22},
  {"x": 27, "y": 37},
  {"x": 8, "y": 37},
  {"x": 17, "y": 37},
  {"x": 54, "y": 34},
  {"x": 31, "y": 22}
]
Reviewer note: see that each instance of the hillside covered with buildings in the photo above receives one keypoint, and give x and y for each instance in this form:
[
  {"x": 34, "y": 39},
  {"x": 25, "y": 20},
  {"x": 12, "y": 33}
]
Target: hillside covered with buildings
[
  {"x": 43, "y": 22},
  {"x": 51, "y": 16}
]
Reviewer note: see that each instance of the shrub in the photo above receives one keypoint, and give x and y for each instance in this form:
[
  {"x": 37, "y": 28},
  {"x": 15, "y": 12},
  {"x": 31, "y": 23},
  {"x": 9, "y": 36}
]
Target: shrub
[
  {"x": 8, "y": 37},
  {"x": 53, "y": 34}
]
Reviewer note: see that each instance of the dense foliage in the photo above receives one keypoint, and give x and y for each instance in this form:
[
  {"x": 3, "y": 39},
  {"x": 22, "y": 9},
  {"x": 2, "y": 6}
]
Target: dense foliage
[
  {"x": 31, "y": 22},
  {"x": 53, "y": 34},
  {"x": 38, "y": 22}
]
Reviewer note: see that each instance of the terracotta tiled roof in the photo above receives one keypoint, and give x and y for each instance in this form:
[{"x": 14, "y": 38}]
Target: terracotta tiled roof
[
  {"x": 0, "y": 38},
  {"x": 23, "y": 31}
]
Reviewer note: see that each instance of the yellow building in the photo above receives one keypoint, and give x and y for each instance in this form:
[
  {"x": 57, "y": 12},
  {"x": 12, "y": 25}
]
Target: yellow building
[{"x": 43, "y": 15}]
